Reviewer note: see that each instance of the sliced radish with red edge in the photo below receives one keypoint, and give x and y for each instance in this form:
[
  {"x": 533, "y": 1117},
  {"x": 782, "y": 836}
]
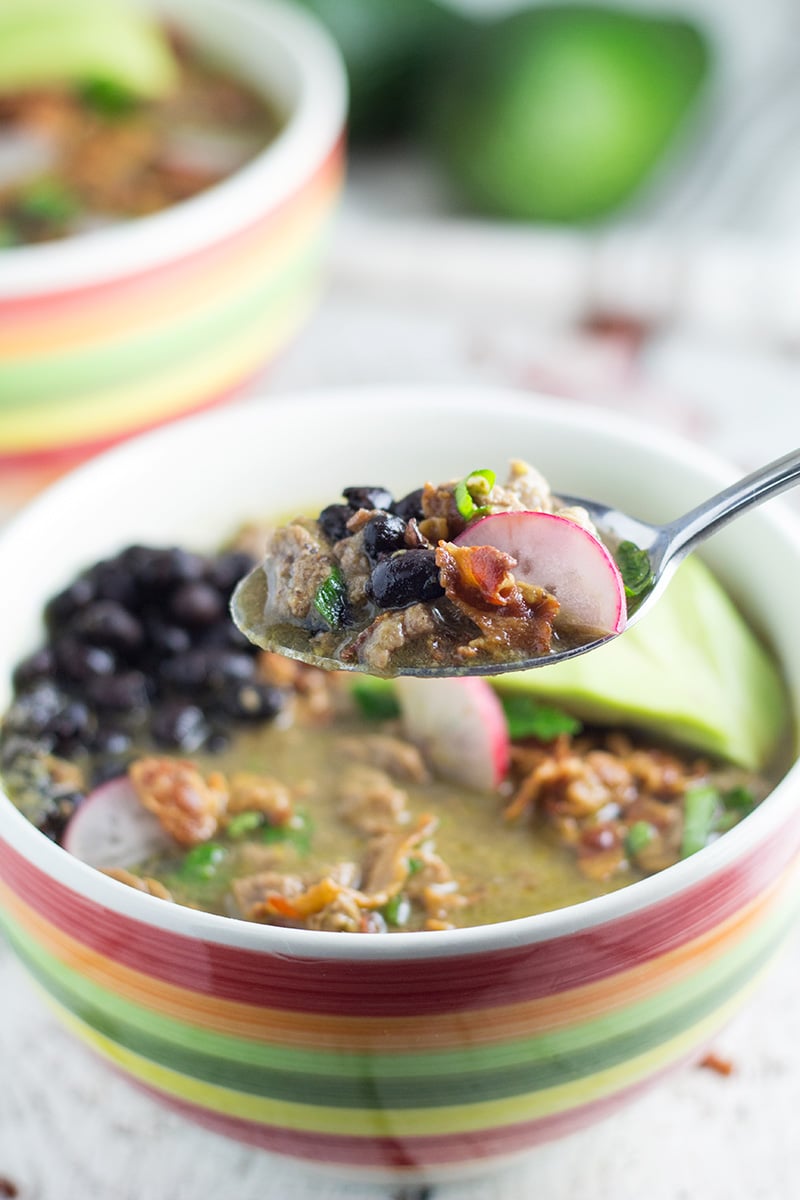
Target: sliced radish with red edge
[
  {"x": 562, "y": 557},
  {"x": 113, "y": 829},
  {"x": 460, "y": 727}
]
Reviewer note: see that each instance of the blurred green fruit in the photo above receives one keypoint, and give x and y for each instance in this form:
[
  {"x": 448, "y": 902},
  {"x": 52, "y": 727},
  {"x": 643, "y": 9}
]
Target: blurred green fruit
[
  {"x": 560, "y": 113},
  {"x": 389, "y": 47}
]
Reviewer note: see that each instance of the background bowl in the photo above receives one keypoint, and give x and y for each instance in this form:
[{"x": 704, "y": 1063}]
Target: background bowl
[
  {"x": 409, "y": 1054},
  {"x": 113, "y": 331}
]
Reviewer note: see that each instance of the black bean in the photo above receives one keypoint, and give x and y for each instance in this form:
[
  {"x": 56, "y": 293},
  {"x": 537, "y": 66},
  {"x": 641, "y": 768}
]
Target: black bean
[
  {"x": 39, "y": 665},
  {"x": 196, "y": 604},
  {"x": 218, "y": 741},
  {"x": 72, "y": 722},
  {"x": 66, "y": 604},
  {"x": 158, "y": 571},
  {"x": 59, "y": 814},
  {"x": 33, "y": 710},
  {"x": 368, "y": 497},
  {"x": 405, "y": 578},
  {"x": 107, "y": 623},
  {"x": 104, "y": 769},
  {"x": 207, "y": 668},
  {"x": 112, "y": 579},
  {"x": 384, "y": 534},
  {"x": 409, "y": 506},
  {"x": 166, "y": 638},
  {"x": 228, "y": 568},
  {"x": 179, "y": 726},
  {"x": 109, "y": 740},
  {"x": 250, "y": 701},
  {"x": 77, "y": 661},
  {"x": 124, "y": 692},
  {"x": 333, "y": 521}
]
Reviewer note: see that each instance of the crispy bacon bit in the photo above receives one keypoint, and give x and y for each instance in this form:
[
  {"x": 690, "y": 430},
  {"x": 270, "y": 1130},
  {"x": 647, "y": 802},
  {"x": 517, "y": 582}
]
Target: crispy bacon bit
[
  {"x": 511, "y": 616},
  {"x": 259, "y": 793},
  {"x": 141, "y": 883},
  {"x": 388, "y": 859},
  {"x": 713, "y": 1062},
  {"x": 188, "y": 806}
]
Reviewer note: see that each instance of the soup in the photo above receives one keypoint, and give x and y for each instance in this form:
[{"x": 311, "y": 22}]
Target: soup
[
  {"x": 94, "y": 154},
  {"x": 153, "y": 741}
]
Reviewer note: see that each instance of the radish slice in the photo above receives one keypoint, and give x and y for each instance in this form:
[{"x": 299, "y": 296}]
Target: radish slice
[
  {"x": 460, "y": 727},
  {"x": 112, "y": 829},
  {"x": 562, "y": 557}
]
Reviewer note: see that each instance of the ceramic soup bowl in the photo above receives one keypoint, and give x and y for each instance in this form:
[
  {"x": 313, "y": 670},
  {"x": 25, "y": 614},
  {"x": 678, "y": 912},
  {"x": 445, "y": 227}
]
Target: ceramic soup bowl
[
  {"x": 112, "y": 331},
  {"x": 405, "y": 1054}
]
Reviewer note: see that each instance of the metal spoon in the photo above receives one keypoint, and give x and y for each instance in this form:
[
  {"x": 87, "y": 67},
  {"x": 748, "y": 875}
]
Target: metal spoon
[{"x": 665, "y": 545}]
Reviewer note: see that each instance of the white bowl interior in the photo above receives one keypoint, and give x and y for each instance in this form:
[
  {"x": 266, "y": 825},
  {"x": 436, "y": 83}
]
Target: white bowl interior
[
  {"x": 194, "y": 482},
  {"x": 281, "y": 51}
]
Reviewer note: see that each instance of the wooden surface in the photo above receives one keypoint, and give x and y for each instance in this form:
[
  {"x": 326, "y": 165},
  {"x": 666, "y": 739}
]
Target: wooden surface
[{"x": 72, "y": 1130}]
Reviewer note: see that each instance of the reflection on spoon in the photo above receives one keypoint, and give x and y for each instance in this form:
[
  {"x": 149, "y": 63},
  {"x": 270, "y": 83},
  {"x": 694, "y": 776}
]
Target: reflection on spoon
[{"x": 616, "y": 581}]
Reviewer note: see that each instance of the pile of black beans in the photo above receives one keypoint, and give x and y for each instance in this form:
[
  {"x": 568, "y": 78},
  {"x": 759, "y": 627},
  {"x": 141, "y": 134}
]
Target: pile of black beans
[
  {"x": 401, "y": 574},
  {"x": 139, "y": 648}
]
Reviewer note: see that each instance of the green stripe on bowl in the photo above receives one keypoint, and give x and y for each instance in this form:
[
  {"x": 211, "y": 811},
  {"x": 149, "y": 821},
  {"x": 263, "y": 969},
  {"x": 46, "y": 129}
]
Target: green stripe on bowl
[
  {"x": 454, "y": 1077},
  {"x": 52, "y": 380}
]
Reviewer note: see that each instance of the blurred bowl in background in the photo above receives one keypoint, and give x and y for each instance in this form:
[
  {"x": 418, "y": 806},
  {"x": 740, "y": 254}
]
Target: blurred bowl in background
[{"x": 112, "y": 331}]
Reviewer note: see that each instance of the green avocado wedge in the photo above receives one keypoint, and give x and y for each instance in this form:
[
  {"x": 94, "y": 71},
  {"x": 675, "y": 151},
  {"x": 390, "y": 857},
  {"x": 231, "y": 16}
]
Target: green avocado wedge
[
  {"x": 690, "y": 671},
  {"x": 560, "y": 113},
  {"x": 65, "y": 42}
]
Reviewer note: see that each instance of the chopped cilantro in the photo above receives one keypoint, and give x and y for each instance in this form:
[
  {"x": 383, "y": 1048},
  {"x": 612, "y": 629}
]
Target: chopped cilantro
[
  {"x": 243, "y": 823},
  {"x": 108, "y": 98},
  {"x": 376, "y": 698},
  {"x": 397, "y": 910},
  {"x": 201, "y": 862},
  {"x": 634, "y": 567},
  {"x": 46, "y": 201},
  {"x": 415, "y": 865},
  {"x": 330, "y": 599},
  {"x": 640, "y": 835},
  {"x": 296, "y": 832},
  {"x": 527, "y": 717},
  {"x": 739, "y": 800}
]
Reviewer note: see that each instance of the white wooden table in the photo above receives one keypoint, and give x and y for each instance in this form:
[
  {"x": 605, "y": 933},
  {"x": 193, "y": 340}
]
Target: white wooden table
[{"x": 71, "y": 1130}]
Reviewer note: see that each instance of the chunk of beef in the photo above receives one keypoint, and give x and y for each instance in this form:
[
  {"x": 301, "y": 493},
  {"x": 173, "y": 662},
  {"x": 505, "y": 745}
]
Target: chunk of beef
[
  {"x": 299, "y": 560},
  {"x": 398, "y": 758},
  {"x": 355, "y": 566},
  {"x": 391, "y": 632},
  {"x": 369, "y": 801}
]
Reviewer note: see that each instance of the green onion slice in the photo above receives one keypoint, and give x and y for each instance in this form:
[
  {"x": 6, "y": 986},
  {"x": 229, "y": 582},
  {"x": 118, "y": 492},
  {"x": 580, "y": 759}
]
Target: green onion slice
[
  {"x": 472, "y": 491},
  {"x": 700, "y": 809},
  {"x": 330, "y": 599}
]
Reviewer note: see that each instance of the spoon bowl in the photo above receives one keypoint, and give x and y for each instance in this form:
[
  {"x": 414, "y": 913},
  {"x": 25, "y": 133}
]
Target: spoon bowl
[{"x": 664, "y": 546}]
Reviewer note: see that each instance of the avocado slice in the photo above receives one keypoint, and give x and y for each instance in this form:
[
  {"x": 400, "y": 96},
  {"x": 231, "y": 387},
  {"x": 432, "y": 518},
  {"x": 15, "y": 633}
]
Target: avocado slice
[
  {"x": 690, "y": 671},
  {"x": 62, "y": 42},
  {"x": 560, "y": 113}
]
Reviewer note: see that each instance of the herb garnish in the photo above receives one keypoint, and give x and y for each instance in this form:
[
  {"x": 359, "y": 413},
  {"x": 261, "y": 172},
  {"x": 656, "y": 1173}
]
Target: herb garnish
[
  {"x": 330, "y": 599},
  {"x": 634, "y": 567},
  {"x": 527, "y": 717}
]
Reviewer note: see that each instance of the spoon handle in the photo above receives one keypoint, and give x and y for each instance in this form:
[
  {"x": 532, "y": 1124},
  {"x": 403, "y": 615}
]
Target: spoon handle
[{"x": 695, "y": 526}]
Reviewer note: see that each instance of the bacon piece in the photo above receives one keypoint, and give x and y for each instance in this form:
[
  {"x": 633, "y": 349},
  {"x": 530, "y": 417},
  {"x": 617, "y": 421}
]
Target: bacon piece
[{"x": 510, "y": 616}]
